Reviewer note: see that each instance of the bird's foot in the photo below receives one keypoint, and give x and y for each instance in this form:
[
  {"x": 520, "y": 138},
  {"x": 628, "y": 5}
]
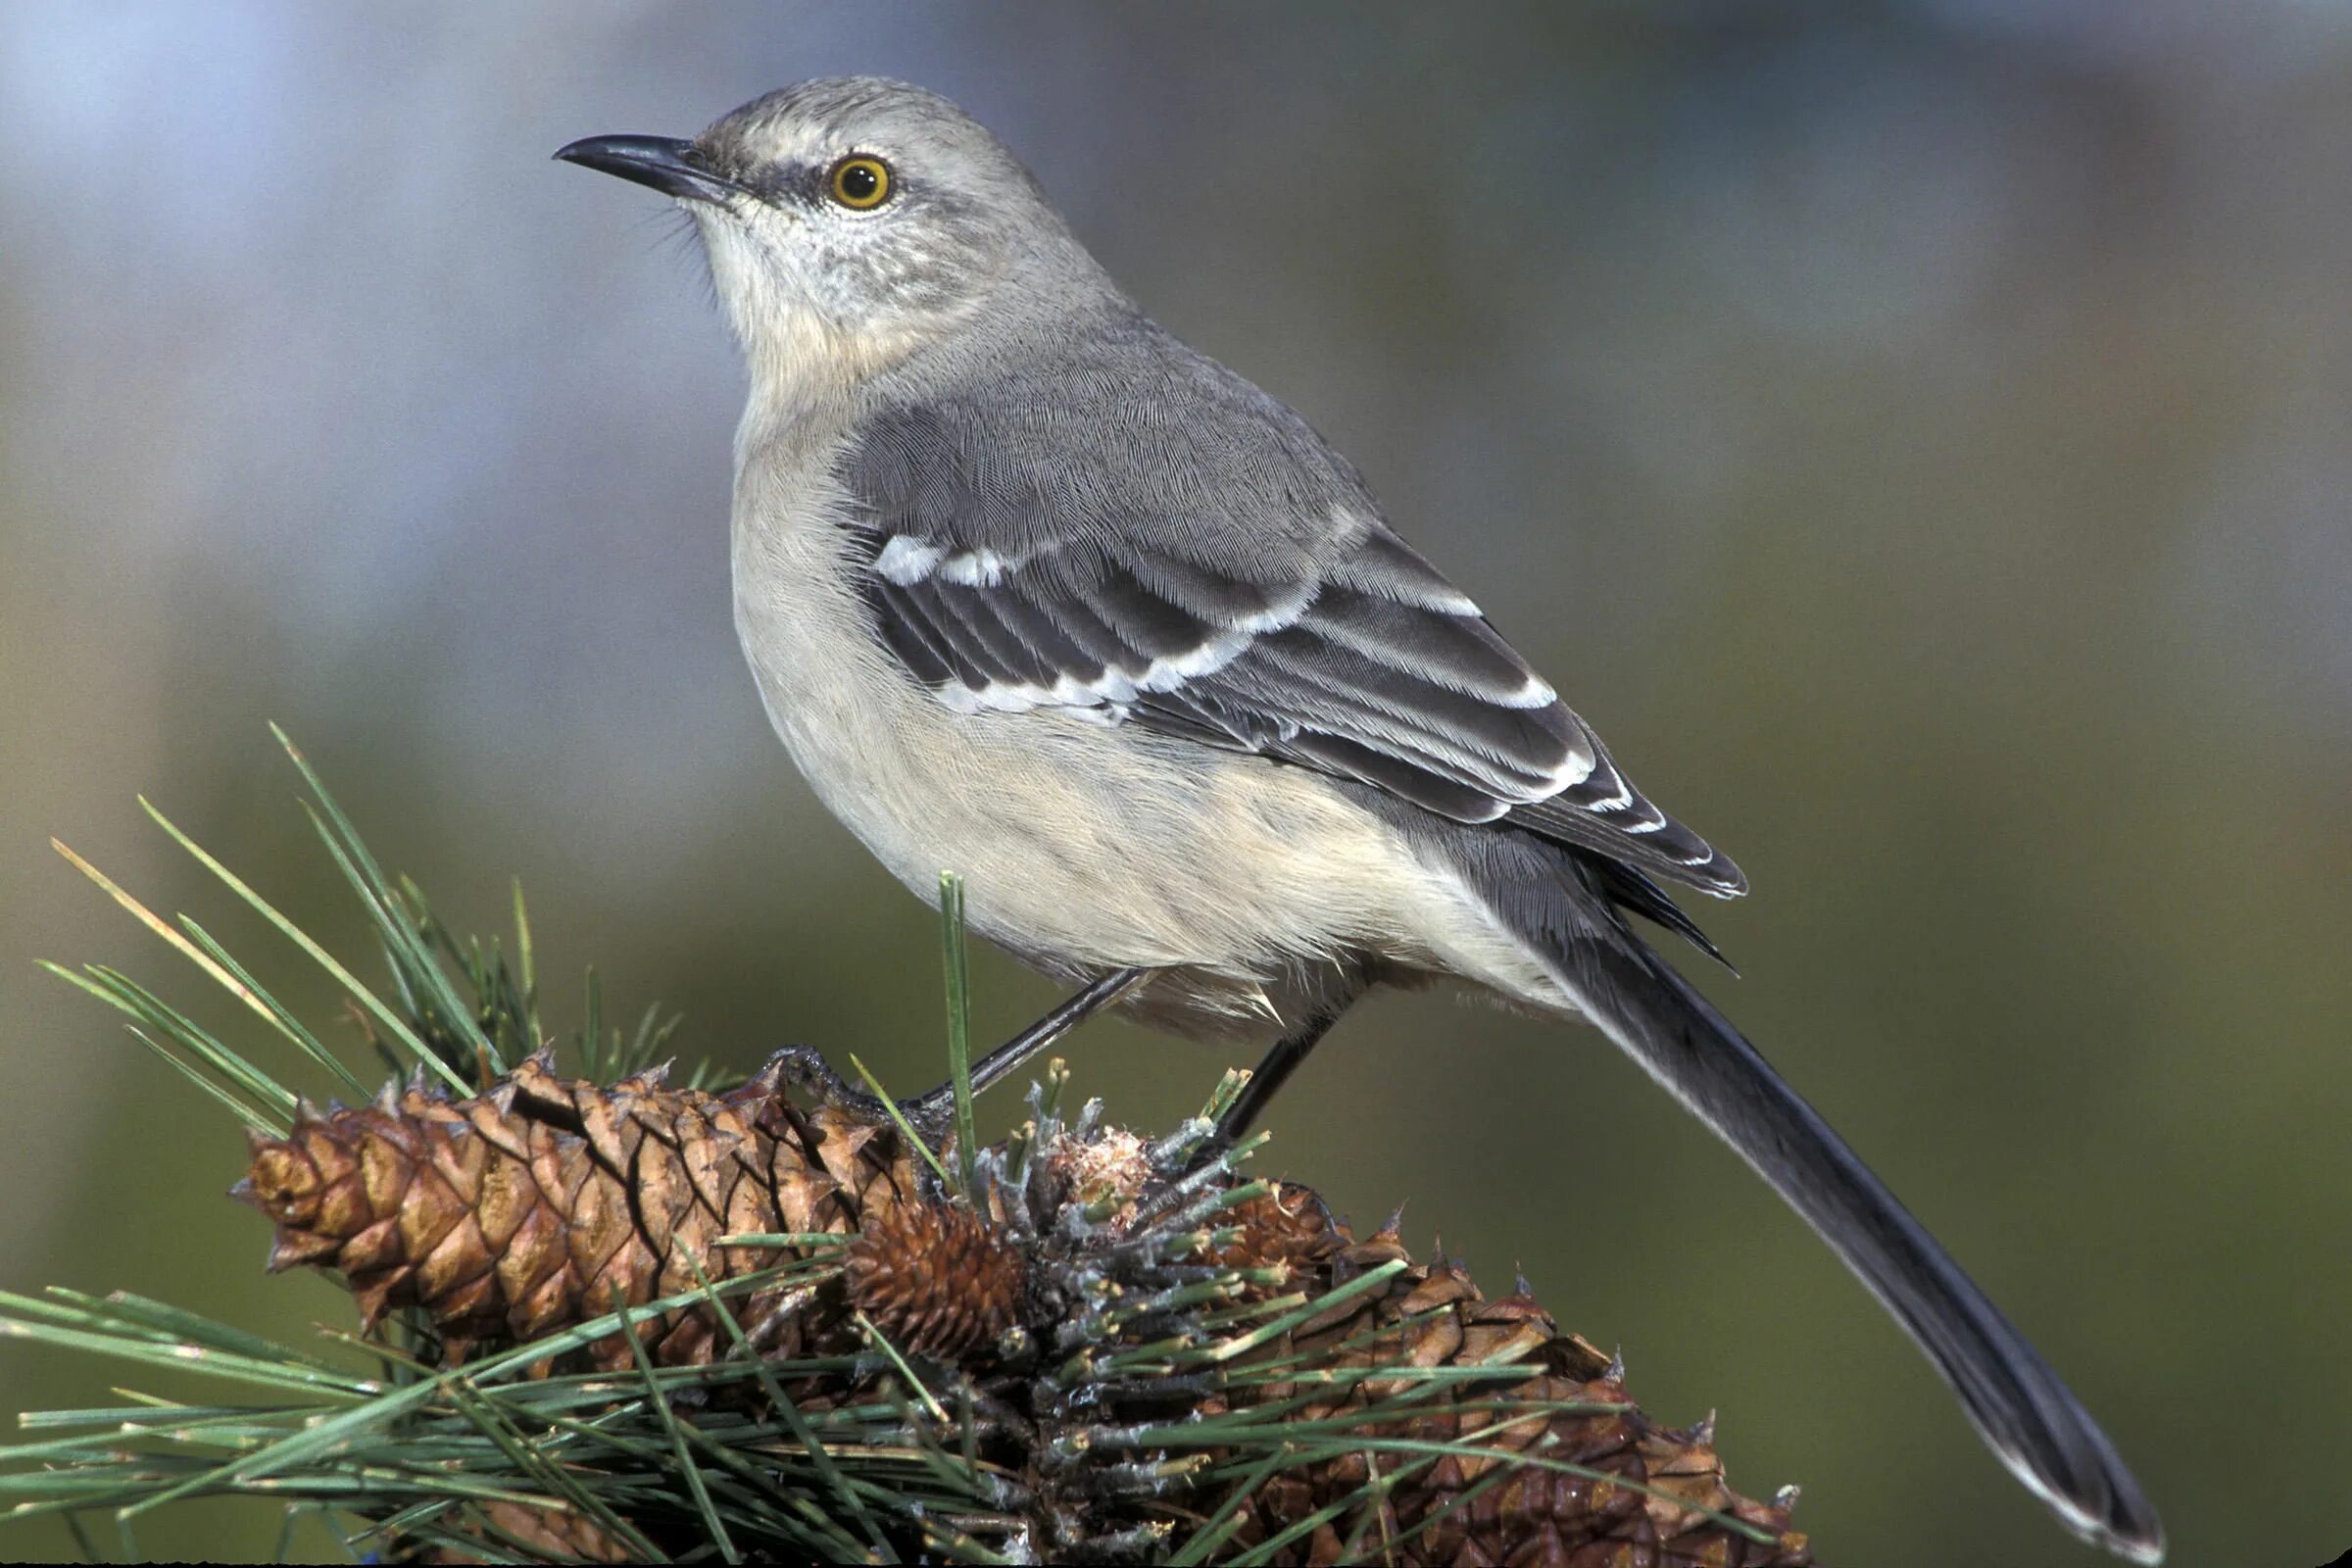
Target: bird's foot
[{"x": 803, "y": 1067}]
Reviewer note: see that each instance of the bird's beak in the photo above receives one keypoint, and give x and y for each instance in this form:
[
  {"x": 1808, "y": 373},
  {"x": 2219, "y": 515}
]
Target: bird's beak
[{"x": 671, "y": 165}]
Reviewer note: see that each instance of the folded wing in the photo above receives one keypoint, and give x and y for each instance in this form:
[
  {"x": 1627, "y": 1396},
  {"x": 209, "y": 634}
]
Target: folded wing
[{"x": 1233, "y": 585}]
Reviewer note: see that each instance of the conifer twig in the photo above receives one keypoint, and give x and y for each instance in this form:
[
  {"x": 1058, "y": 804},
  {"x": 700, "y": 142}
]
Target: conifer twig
[{"x": 617, "y": 1318}]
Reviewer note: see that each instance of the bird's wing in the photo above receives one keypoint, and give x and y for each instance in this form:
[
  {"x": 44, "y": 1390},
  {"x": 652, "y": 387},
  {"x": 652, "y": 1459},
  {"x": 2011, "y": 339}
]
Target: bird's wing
[{"x": 1186, "y": 555}]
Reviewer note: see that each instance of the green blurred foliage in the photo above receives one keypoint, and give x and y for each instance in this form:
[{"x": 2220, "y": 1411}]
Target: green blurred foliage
[{"x": 1915, "y": 436}]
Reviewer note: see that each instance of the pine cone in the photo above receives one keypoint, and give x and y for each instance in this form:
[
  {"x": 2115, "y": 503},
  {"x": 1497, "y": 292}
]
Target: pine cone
[
  {"x": 936, "y": 1278},
  {"x": 529, "y": 1208},
  {"x": 547, "y": 1535},
  {"x": 1288, "y": 1227},
  {"x": 1433, "y": 1315},
  {"x": 541, "y": 1204}
]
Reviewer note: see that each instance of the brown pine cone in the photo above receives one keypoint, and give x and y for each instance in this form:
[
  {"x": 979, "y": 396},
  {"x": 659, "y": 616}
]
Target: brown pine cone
[
  {"x": 1637, "y": 1509},
  {"x": 936, "y": 1278},
  {"x": 524, "y": 1210},
  {"x": 1288, "y": 1227},
  {"x": 547, "y": 1535},
  {"x": 541, "y": 1204}
]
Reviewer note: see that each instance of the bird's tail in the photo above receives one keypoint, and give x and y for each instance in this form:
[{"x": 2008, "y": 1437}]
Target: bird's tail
[{"x": 2027, "y": 1416}]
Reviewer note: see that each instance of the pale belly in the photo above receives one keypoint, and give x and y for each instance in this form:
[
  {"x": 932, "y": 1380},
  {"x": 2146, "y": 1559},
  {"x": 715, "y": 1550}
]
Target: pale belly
[{"x": 1262, "y": 891}]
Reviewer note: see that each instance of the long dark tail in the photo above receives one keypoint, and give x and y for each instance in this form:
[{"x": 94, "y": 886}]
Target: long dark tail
[{"x": 2036, "y": 1427}]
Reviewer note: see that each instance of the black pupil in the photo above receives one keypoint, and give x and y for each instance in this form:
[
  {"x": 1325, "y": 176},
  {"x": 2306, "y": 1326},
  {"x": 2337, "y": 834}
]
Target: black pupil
[{"x": 859, "y": 182}]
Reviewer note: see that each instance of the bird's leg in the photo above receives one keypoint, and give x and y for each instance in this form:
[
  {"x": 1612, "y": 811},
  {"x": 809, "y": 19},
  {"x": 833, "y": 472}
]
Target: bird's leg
[
  {"x": 930, "y": 1112},
  {"x": 1264, "y": 1083},
  {"x": 806, "y": 1069}
]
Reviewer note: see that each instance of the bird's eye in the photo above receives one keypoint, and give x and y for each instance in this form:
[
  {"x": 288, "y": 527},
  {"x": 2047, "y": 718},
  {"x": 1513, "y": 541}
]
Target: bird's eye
[{"x": 859, "y": 183}]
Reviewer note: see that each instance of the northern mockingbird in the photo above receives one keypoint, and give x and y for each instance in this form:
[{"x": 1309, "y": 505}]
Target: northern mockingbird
[{"x": 1033, "y": 591}]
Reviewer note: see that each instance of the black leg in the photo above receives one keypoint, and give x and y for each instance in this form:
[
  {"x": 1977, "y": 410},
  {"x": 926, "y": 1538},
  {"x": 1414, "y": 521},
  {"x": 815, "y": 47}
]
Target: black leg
[
  {"x": 1278, "y": 1065},
  {"x": 1007, "y": 1058}
]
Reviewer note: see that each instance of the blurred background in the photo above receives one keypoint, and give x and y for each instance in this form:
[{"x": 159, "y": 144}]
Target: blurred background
[{"x": 1915, "y": 436}]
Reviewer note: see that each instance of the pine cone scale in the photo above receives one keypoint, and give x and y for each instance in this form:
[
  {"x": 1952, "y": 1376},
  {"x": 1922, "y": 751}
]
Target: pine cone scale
[{"x": 374, "y": 1249}]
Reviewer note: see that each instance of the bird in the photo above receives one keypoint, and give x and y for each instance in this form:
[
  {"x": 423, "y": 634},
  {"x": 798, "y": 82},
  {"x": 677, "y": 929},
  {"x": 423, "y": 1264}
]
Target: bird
[{"x": 1033, "y": 590}]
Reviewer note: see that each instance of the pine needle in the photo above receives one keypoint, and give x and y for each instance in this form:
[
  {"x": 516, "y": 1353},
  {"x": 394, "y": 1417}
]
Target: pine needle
[
  {"x": 906, "y": 1128},
  {"x": 957, "y": 962}
]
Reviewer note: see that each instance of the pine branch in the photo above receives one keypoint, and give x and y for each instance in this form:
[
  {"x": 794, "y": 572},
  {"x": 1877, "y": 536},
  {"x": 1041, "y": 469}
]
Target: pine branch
[{"x": 612, "y": 1318}]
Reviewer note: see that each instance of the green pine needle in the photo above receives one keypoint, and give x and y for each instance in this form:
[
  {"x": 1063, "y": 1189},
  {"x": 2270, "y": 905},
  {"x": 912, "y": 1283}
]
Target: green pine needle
[
  {"x": 906, "y": 1128},
  {"x": 960, "y": 1023}
]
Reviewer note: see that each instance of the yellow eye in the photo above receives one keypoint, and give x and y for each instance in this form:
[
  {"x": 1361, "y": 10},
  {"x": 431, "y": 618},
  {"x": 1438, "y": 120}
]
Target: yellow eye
[{"x": 859, "y": 183}]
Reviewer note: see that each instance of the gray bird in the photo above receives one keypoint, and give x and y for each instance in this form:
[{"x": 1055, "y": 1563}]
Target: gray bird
[{"x": 1033, "y": 591}]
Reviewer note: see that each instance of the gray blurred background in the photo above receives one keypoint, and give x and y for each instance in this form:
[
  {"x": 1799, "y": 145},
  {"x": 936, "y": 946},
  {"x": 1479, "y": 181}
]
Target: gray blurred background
[{"x": 1916, "y": 437}]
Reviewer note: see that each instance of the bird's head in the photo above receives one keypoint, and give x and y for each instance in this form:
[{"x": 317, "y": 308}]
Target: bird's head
[{"x": 853, "y": 221}]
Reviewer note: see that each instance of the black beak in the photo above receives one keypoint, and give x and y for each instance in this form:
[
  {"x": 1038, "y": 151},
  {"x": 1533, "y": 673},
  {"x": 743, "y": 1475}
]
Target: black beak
[{"x": 671, "y": 165}]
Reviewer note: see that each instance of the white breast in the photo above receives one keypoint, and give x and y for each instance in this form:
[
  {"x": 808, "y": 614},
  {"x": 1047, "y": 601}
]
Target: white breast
[{"x": 1082, "y": 847}]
